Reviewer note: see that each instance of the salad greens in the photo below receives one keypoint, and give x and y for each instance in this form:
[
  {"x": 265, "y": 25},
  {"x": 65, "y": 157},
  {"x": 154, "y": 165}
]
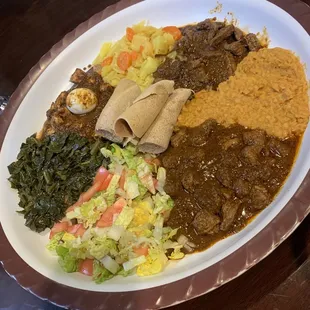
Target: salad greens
[
  {"x": 50, "y": 175},
  {"x": 123, "y": 228}
]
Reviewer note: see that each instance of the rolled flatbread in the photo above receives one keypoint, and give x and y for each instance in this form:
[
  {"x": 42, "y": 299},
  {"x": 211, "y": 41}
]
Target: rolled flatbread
[
  {"x": 123, "y": 97},
  {"x": 156, "y": 139},
  {"x": 136, "y": 120}
]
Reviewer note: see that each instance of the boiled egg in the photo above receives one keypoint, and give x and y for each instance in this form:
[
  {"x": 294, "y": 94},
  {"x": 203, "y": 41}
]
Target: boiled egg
[{"x": 81, "y": 101}]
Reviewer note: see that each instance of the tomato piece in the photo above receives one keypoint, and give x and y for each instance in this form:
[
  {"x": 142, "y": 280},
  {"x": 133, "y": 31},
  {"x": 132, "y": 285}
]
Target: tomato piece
[
  {"x": 156, "y": 162},
  {"x": 107, "y": 61},
  {"x": 86, "y": 267},
  {"x": 142, "y": 250},
  {"x": 174, "y": 31},
  {"x": 101, "y": 175},
  {"x": 134, "y": 55},
  {"x": 129, "y": 33},
  {"x": 105, "y": 184},
  {"x": 90, "y": 192},
  {"x": 107, "y": 217},
  {"x": 122, "y": 180},
  {"x": 74, "y": 228},
  {"x": 124, "y": 60},
  {"x": 58, "y": 227},
  {"x": 80, "y": 232},
  {"x": 155, "y": 182}
]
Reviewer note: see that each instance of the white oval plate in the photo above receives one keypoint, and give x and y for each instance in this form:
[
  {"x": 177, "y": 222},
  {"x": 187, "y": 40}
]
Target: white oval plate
[{"x": 283, "y": 31}]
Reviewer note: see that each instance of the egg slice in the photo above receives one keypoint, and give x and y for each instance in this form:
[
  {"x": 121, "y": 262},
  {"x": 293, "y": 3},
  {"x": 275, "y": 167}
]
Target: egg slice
[{"x": 81, "y": 101}]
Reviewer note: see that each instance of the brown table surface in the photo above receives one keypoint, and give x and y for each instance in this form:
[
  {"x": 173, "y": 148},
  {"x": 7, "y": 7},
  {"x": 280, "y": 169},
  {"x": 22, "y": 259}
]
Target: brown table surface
[{"x": 28, "y": 29}]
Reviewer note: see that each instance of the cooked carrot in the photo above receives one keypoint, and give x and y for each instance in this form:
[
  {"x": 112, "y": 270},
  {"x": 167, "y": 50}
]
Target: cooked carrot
[
  {"x": 174, "y": 31},
  {"x": 129, "y": 33},
  {"x": 134, "y": 55},
  {"x": 141, "y": 48},
  {"x": 107, "y": 61},
  {"x": 124, "y": 60}
]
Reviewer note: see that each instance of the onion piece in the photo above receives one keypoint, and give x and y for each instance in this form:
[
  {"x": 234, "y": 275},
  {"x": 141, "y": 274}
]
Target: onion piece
[
  {"x": 134, "y": 262},
  {"x": 110, "y": 264},
  {"x": 115, "y": 232}
]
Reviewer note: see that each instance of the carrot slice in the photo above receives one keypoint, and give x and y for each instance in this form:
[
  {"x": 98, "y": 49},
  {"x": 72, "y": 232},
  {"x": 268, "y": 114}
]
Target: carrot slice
[
  {"x": 134, "y": 55},
  {"x": 141, "y": 48},
  {"x": 107, "y": 61},
  {"x": 129, "y": 33},
  {"x": 124, "y": 60},
  {"x": 174, "y": 31}
]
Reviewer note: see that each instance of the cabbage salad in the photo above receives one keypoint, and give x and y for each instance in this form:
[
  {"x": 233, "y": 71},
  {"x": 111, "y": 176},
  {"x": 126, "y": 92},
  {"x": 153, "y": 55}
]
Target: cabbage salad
[{"x": 117, "y": 226}]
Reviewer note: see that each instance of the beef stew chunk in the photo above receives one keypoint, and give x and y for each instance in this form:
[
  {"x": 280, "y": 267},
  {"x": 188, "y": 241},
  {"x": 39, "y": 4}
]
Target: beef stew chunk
[
  {"x": 220, "y": 177},
  {"x": 207, "y": 54}
]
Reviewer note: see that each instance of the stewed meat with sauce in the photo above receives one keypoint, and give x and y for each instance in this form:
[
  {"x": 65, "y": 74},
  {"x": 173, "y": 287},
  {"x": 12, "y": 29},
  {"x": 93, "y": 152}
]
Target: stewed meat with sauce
[
  {"x": 221, "y": 177},
  {"x": 208, "y": 54},
  {"x": 60, "y": 119}
]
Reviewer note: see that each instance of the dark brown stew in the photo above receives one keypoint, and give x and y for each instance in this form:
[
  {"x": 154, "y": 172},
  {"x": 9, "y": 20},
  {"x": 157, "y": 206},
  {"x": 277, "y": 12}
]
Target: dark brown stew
[
  {"x": 208, "y": 54},
  {"x": 221, "y": 177},
  {"x": 60, "y": 119}
]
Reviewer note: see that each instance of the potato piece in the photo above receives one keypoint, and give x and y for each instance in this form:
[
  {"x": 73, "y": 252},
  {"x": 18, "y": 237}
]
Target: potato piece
[
  {"x": 106, "y": 47},
  {"x": 149, "y": 66}
]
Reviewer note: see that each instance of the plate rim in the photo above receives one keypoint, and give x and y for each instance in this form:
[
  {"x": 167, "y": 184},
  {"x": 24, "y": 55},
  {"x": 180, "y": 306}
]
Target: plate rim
[{"x": 193, "y": 286}]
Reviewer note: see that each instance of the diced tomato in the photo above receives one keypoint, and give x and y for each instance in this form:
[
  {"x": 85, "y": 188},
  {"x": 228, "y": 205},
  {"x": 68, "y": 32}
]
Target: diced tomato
[
  {"x": 156, "y": 162},
  {"x": 155, "y": 182},
  {"x": 74, "y": 228},
  {"x": 104, "y": 185},
  {"x": 106, "y": 219},
  {"x": 142, "y": 250},
  {"x": 101, "y": 175},
  {"x": 86, "y": 267},
  {"x": 107, "y": 61},
  {"x": 90, "y": 192},
  {"x": 122, "y": 179},
  {"x": 129, "y": 33},
  {"x": 174, "y": 31},
  {"x": 58, "y": 227},
  {"x": 124, "y": 60},
  {"x": 80, "y": 232}
]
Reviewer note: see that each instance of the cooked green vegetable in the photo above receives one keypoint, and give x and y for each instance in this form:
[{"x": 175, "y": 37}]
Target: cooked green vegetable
[{"x": 51, "y": 174}]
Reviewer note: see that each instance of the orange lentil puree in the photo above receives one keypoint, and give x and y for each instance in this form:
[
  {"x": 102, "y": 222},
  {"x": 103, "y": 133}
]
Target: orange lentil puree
[{"x": 268, "y": 91}]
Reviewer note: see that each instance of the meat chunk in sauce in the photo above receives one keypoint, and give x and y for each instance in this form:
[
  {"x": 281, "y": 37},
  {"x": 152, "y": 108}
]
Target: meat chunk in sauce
[
  {"x": 229, "y": 212},
  {"x": 212, "y": 182},
  {"x": 236, "y": 48},
  {"x": 206, "y": 222},
  {"x": 208, "y": 54},
  {"x": 254, "y": 137},
  {"x": 259, "y": 197},
  {"x": 178, "y": 138},
  {"x": 242, "y": 188},
  {"x": 252, "y": 42},
  {"x": 222, "y": 34},
  {"x": 77, "y": 76}
]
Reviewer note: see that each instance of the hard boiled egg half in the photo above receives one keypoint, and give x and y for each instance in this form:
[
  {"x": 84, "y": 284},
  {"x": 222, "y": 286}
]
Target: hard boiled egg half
[{"x": 81, "y": 101}]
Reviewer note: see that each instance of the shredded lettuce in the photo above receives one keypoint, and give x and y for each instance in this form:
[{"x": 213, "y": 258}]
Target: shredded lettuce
[
  {"x": 51, "y": 246},
  {"x": 163, "y": 202},
  {"x": 125, "y": 217},
  {"x": 67, "y": 262},
  {"x": 100, "y": 274}
]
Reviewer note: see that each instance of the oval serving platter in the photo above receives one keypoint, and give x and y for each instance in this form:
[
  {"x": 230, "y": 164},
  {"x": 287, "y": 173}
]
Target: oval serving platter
[{"x": 252, "y": 15}]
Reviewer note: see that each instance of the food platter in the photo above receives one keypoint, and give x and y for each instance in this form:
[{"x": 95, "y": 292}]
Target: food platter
[{"x": 233, "y": 243}]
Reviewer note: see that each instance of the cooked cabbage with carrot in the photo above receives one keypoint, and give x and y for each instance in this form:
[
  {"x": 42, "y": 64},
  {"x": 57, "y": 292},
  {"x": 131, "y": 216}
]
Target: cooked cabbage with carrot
[
  {"x": 137, "y": 55},
  {"x": 117, "y": 226}
]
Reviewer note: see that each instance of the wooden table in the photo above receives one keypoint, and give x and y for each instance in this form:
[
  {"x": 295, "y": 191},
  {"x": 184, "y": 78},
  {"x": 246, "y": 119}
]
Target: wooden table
[{"x": 28, "y": 29}]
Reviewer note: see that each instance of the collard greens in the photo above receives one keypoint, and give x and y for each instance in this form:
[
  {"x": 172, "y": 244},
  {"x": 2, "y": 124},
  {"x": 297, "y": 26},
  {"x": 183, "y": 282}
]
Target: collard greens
[{"x": 51, "y": 174}]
